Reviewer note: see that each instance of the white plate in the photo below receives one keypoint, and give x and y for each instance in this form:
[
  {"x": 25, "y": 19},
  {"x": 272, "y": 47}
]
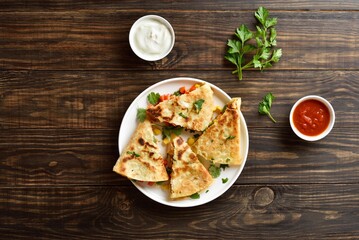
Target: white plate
[{"x": 158, "y": 193}]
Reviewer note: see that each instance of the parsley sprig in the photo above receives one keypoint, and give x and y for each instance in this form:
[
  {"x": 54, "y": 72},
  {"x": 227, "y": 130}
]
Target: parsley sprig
[
  {"x": 265, "y": 106},
  {"x": 264, "y": 50}
]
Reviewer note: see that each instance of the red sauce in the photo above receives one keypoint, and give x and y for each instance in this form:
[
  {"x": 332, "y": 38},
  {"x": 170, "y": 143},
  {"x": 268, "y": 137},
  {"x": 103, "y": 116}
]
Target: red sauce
[{"x": 311, "y": 117}]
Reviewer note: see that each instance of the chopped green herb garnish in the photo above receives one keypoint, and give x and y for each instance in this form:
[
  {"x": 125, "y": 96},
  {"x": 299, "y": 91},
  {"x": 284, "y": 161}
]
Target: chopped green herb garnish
[
  {"x": 133, "y": 153},
  {"x": 167, "y": 131},
  {"x": 195, "y": 196},
  {"x": 207, "y": 191},
  {"x": 141, "y": 114},
  {"x": 214, "y": 171},
  {"x": 198, "y": 105},
  {"x": 224, "y": 108},
  {"x": 230, "y": 137},
  {"x": 160, "y": 183},
  {"x": 182, "y": 115},
  {"x": 153, "y": 98},
  {"x": 223, "y": 166},
  {"x": 224, "y": 180},
  {"x": 177, "y": 93}
]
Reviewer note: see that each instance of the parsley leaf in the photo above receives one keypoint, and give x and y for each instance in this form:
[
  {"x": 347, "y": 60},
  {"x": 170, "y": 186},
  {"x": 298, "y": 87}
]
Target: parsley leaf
[
  {"x": 265, "y": 106},
  {"x": 223, "y": 166},
  {"x": 133, "y": 153},
  {"x": 182, "y": 115},
  {"x": 263, "y": 52},
  {"x": 153, "y": 98},
  {"x": 214, "y": 171},
  {"x": 198, "y": 105},
  {"x": 230, "y": 137},
  {"x": 141, "y": 114},
  {"x": 167, "y": 131},
  {"x": 224, "y": 180},
  {"x": 195, "y": 196}
]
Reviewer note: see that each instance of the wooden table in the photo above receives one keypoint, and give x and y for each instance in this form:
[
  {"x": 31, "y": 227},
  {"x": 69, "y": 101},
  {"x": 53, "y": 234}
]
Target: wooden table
[{"x": 68, "y": 75}]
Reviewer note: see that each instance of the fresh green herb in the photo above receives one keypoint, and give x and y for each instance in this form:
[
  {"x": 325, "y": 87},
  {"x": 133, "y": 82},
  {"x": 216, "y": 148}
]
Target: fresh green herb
[
  {"x": 230, "y": 137},
  {"x": 195, "y": 196},
  {"x": 177, "y": 93},
  {"x": 264, "y": 52},
  {"x": 207, "y": 191},
  {"x": 133, "y": 153},
  {"x": 153, "y": 98},
  {"x": 167, "y": 131},
  {"x": 224, "y": 108},
  {"x": 223, "y": 166},
  {"x": 198, "y": 105},
  {"x": 214, "y": 171},
  {"x": 224, "y": 180},
  {"x": 265, "y": 106},
  {"x": 141, "y": 114},
  {"x": 182, "y": 115}
]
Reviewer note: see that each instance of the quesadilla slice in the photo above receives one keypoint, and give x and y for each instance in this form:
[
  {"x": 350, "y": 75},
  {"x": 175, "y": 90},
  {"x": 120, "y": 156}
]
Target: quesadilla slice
[
  {"x": 192, "y": 110},
  {"x": 141, "y": 159},
  {"x": 188, "y": 176},
  {"x": 220, "y": 142}
]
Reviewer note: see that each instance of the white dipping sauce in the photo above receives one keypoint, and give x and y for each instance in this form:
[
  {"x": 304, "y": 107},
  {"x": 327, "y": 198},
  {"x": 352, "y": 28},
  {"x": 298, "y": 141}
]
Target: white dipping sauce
[{"x": 151, "y": 39}]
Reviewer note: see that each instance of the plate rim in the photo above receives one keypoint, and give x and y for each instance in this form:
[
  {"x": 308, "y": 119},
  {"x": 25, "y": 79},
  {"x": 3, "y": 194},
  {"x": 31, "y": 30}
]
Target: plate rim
[{"x": 174, "y": 203}]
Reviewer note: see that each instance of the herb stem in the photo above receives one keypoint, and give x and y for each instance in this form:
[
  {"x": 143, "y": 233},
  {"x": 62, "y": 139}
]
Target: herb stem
[{"x": 270, "y": 116}]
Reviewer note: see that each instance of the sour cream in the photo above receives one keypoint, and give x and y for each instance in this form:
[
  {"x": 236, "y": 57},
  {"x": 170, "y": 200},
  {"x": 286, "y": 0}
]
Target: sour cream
[{"x": 151, "y": 37}]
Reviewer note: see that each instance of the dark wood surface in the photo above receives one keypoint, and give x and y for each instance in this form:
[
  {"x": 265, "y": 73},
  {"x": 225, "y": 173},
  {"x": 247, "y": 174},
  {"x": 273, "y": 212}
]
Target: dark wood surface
[{"x": 68, "y": 75}]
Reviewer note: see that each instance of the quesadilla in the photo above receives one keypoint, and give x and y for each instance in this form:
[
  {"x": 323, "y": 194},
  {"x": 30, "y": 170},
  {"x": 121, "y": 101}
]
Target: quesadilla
[
  {"x": 188, "y": 176},
  {"x": 191, "y": 110},
  {"x": 220, "y": 142},
  {"x": 141, "y": 159}
]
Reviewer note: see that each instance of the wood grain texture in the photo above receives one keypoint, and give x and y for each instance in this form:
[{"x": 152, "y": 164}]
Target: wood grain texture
[
  {"x": 54, "y": 157},
  {"x": 159, "y": 6},
  {"x": 99, "y": 40},
  {"x": 68, "y": 75},
  {"x": 253, "y": 211},
  {"x": 99, "y": 99}
]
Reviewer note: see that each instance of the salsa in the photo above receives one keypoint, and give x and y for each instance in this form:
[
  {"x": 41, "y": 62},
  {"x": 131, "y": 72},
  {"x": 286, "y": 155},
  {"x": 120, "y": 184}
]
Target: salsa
[{"x": 311, "y": 117}]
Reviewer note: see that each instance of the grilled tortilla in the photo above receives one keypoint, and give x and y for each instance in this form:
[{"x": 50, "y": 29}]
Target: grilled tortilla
[
  {"x": 220, "y": 142},
  {"x": 141, "y": 159},
  {"x": 193, "y": 110},
  {"x": 188, "y": 175}
]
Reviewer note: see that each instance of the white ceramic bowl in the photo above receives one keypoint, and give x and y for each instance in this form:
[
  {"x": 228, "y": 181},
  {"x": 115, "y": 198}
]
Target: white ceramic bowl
[
  {"x": 326, "y": 131},
  {"x": 135, "y": 39}
]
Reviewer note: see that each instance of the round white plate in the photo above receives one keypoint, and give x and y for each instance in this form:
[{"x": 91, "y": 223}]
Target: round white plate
[{"x": 158, "y": 193}]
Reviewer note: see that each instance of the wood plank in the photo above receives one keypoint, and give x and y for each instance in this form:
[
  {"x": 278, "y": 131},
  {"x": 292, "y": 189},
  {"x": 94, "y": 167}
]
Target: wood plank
[
  {"x": 55, "y": 157},
  {"x": 99, "y": 99},
  {"x": 84, "y": 40},
  {"x": 251, "y": 211},
  {"x": 154, "y": 5}
]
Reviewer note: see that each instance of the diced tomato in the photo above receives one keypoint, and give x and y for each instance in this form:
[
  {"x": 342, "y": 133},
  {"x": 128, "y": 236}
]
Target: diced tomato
[
  {"x": 150, "y": 183},
  {"x": 165, "y": 162},
  {"x": 182, "y": 90},
  {"x": 164, "y": 97},
  {"x": 193, "y": 87}
]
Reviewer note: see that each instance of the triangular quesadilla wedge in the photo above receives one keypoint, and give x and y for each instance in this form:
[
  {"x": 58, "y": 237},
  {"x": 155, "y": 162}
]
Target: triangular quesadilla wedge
[
  {"x": 220, "y": 142},
  {"x": 141, "y": 159},
  {"x": 191, "y": 110},
  {"x": 188, "y": 176}
]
